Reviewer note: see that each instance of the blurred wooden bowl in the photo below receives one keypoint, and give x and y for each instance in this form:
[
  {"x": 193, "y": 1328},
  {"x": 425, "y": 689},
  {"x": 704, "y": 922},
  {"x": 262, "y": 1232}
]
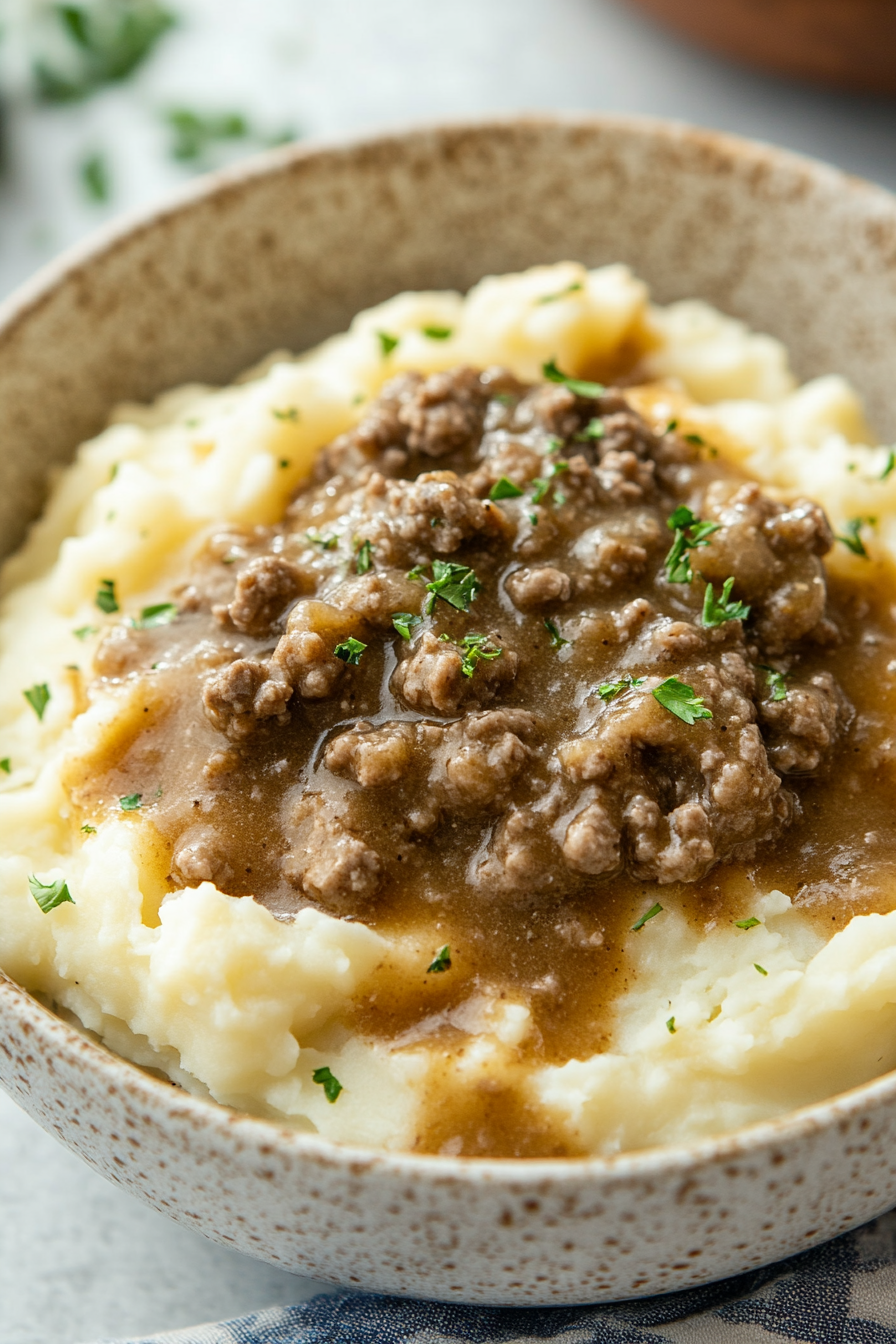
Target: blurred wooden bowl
[{"x": 847, "y": 43}]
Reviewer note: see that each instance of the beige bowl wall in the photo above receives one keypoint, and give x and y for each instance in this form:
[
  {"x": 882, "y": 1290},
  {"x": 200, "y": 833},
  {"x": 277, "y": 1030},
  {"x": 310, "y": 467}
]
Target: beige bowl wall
[{"x": 282, "y": 253}]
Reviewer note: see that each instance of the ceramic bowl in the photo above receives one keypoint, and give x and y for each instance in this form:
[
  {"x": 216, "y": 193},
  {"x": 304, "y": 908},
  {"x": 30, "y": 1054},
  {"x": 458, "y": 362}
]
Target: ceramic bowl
[
  {"x": 849, "y": 44},
  {"x": 282, "y": 252}
]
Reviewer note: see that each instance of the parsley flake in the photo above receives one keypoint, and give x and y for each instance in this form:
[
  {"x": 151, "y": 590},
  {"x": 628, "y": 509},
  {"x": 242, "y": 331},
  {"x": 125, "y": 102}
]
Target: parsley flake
[
  {"x": 608, "y": 689},
  {"x": 88, "y": 829},
  {"x": 325, "y": 543},
  {"x": 670, "y": 1026},
  {"x": 776, "y": 682},
  {"x": 50, "y": 894},
  {"x": 579, "y": 386},
  {"x": 890, "y": 464},
  {"x": 760, "y": 969},
  {"x": 195, "y": 134},
  {"x": 350, "y": 651},
  {"x": 291, "y": 414},
  {"x": 438, "y": 333},
  {"x": 504, "y": 489},
  {"x": 696, "y": 439},
  {"x": 387, "y": 343},
  {"x": 455, "y": 584},
  {"x": 648, "y": 914},
  {"x": 104, "y": 44},
  {"x": 364, "y": 557},
  {"x": 690, "y": 532},
  {"x": 331, "y": 1086},
  {"x": 94, "y": 174},
  {"x": 404, "y": 622},
  {"x": 162, "y": 613},
  {"x": 477, "y": 648},
  {"x": 131, "y": 802},
  {"x": 595, "y": 429},
  {"x": 541, "y": 486},
  {"x": 441, "y": 961},
  {"x": 105, "y": 597},
  {"x": 557, "y": 640},
  {"x": 750, "y": 923},
  {"x": 681, "y": 701},
  {"x": 6, "y": 766},
  {"x": 84, "y": 630},
  {"x": 38, "y": 698},
  {"x": 716, "y": 611},
  {"x": 851, "y": 540},
  {"x": 574, "y": 288},
  {"x": 671, "y": 427}
]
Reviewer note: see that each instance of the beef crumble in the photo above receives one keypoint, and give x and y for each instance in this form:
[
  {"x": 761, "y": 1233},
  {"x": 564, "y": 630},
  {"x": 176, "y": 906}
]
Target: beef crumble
[{"x": 475, "y": 684}]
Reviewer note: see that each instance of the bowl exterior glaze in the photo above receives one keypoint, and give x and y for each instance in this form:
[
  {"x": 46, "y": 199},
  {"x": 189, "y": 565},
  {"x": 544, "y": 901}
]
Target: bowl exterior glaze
[{"x": 283, "y": 252}]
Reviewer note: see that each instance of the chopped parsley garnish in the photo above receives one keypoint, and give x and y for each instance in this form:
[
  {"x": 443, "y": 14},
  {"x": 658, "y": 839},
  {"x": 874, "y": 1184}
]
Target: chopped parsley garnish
[
  {"x": 477, "y": 648},
  {"x": 131, "y": 802},
  {"x": 455, "y": 584},
  {"x": 387, "y": 343},
  {"x": 504, "y": 489},
  {"x": 541, "y": 485},
  {"x": 557, "y": 640},
  {"x": 690, "y": 532},
  {"x": 38, "y": 698},
  {"x": 595, "y": 429},
  {"x": 162, "y": 613},
  {"x": 696, "y": 439},
  {"x": 88, "y": 829},
  {"x": 554, "y": 444},
  {"x": 681, "y": 701},
  {"x": 6, "y": 766},
  {"x": 716, "y": 611},
  {"x": 574, "y": 288},
  {"x": 648, "y": 914},
  {"x": 331, "y": 1086},
  {"x": 505, "y": 398},
  {"x": 579, "y": 386},
  {"x": 194, "y": 133},
  {"x": 284, "y": 463},
  {"x": 325, "y": 543},
  {"x": 291, "y": 413},
  {"x": 776, "y": 682},
  {"x": 84, "y": 630},
  {"x": 350, "y": 651},
  {"x": 670, "y": 1025},
  {"x": 890, "y": 464},
  {"x": 105, "y": 43},
  {"x": 760, "y": 969},
  {"x": 105, "y": 597},
  {"x": 94, "y": 174},
  {"x": 608, "y": 689},
  {"x": 364, "y": 557},
  {"x": 50, "y": 894},
  {"x": 750, "y": 923},
  {"x": 404, "y": 622},
  {"x": 441, "y": 961},
  {"x": 533, "y": 519},
  {"x": 671, "y": 427},
  {"x": 851, "y": 540},
  {"x": 438, "y": 333}
]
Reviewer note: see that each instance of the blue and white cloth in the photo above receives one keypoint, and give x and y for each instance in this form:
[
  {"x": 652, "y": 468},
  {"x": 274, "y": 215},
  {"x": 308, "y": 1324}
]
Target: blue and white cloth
[{"x": 840, "y": 1293}]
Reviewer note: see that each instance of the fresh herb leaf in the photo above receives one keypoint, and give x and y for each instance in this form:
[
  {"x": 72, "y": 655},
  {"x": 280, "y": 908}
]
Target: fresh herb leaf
[
  {"x": 38, "y": 698},
  {"x": 608, "y": 689},
  {"x": 88, "y": 829},
  {"x": 541, "y": 486},
  {"x": 670, "y": 1025},
  {"x": 131, "y": 802},
  {"x": 890, "y": 464},
  {"x": 364, "y": 557},
  {"x": 105, "y": 597},
  {"x": 505, "y": 398},
  {"x": 438, "y": 333},
  {"x": 716, "y": 611},
  {"x": 696, "y": 439},
  {"x": 557, "y": 640},
  {"x": 291, "y": 414},
  {"x": 554, "y": 444},
  {"x": 284, "y": 463},
  {"x": 750, "y": 923},
  {"x": 441, "y": 961},
  {"x": 194, "y": 133},
  {"x": 477, "y": 648},
  {"x": 595, "y": 429},
  {"x": 455, "y": 584},
  {"x": 387, "y": 343},
  {"x": 104, "y": 44},
  {"x": 504, "y": 489},
  {"x": 690, "y": 532},
  {"x": 670, "y": 427},
  {"x": 851, "y": 540},
  {"x": 84, "y": 630},
  {"x": 6, "y": 766},
  {"x": 350, "y": 651},
  {"x": 331, "y": 1086},
  {"x": 776, "y": 682},
  {"x": 681, "y": 701},
  {"x": 50, "y": 894},
  {"x": 574, "y": 288},
  {"x": 162, "y": 613},
  {"x": 404, "y": 622},
  {"x": 533, "y": 519},
  {"x": 760, "y": 969},
  {"x": 325, "y": 543},
  {"x": 580, "y": 386},
  {"x": 94, "y": 174},
  {"x": 648, "y": 914}
]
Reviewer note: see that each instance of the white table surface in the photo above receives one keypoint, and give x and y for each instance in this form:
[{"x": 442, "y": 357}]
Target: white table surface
[{"x": 79, "y": 1259}]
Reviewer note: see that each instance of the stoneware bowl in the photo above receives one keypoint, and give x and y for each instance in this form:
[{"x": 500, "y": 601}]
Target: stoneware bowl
[
  {"x": 282, "y": 252},
  {"x": 849, "y": 44}
]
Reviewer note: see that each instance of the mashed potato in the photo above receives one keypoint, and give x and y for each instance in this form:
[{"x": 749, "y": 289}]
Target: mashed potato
[{"x": 235, "y": 1003}]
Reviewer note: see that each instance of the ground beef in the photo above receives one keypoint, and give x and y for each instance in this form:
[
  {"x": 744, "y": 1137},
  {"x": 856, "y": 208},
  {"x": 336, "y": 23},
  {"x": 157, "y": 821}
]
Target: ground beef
[
  {"x": 337, "y": 868},
  {"x": 372, "y": 757},
  {"x": 409, "y": 520},
  {"x": 263, "y": 590},
  {"x": 531, "y": 588},
  {"x": 800, "y": 728},
  {"x": 431, "y": 679}
]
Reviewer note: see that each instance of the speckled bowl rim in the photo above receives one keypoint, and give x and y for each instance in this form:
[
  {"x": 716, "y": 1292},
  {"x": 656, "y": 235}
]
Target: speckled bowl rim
[{"x": 265, "y": 1133}]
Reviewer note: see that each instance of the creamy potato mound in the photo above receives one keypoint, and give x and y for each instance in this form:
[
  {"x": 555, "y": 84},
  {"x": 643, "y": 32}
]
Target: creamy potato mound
[{"x": 720, "y": 1026}]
